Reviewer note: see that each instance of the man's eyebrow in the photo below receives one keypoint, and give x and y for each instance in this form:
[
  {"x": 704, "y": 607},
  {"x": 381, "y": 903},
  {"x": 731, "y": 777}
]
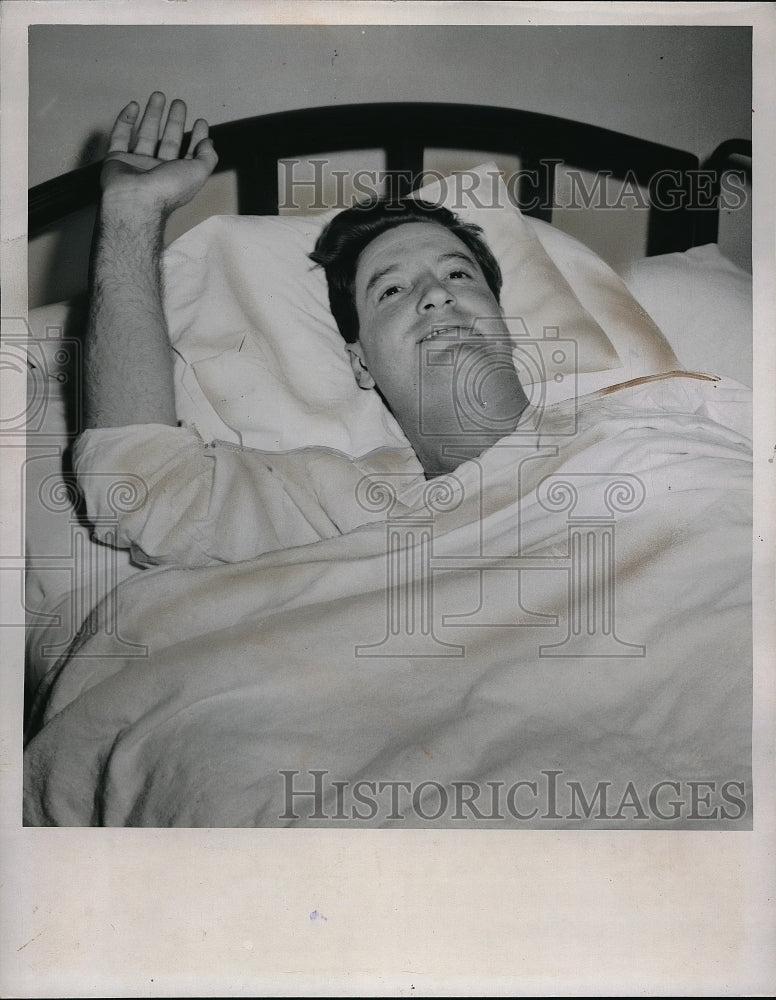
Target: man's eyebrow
[
  {"x": 378, "y": 275},
  {"x": 457, "y": 255},
  {"x": 451, "y": 255}
]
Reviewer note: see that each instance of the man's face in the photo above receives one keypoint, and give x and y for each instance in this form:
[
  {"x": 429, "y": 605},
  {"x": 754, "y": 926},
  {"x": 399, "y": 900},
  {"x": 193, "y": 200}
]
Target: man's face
[{"x": 419, "y": 283}]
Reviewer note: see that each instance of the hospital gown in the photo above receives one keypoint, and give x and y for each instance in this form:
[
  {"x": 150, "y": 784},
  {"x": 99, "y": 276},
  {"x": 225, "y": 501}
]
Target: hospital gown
[{"x": 173, "y": 499}]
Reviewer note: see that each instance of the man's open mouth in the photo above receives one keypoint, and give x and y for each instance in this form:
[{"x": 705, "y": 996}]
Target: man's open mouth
[{"x": 448, "y": 331}]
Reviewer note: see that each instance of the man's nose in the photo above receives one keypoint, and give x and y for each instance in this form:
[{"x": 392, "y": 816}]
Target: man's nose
[{"x": 435, "y": 295}]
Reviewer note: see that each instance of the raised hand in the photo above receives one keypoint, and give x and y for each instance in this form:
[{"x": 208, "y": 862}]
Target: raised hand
[{"x": 148, "y": 172}]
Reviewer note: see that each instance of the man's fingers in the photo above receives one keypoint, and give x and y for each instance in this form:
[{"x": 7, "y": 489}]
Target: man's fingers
[
  {"x": 198, "y": 133},
  {"x": 122, "y": 129},
  {"x": 148, "y": 133},
  {"x": 201, "y": 145},
  {"x": 170, "y": 146},
  {"x": 205, "y": 153}
]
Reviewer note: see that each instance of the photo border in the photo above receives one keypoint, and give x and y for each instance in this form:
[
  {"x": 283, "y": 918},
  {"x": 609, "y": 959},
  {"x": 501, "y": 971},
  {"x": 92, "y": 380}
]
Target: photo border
[{"x": 142, "y": 912}]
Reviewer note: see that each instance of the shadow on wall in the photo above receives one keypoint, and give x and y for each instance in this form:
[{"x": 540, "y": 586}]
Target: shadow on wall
[
  {"x": 58, "y": 259},
  {"x": 59, "y": 256}
]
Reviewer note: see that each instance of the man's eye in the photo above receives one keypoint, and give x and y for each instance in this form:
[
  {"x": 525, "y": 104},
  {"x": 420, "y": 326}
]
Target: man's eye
[
  {"x": 389, "y": 292},
  {"x": 459, "y": 273}
]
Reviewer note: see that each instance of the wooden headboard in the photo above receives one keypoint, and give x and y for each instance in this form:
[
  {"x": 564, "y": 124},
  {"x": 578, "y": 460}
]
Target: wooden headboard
[
  {"x": 252, "y": 146},
  {"x": 61, "y": 210}
]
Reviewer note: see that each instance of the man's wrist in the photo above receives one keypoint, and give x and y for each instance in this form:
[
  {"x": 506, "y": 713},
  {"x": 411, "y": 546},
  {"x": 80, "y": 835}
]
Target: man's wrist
[{"x": 130, "y": 210}]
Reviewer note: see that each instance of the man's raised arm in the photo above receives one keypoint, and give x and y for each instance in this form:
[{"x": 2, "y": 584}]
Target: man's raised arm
[{"x": 129, "y": 364}]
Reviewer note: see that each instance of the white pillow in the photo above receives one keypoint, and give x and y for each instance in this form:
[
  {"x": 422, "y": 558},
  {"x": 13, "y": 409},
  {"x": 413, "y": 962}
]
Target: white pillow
[
  {"x": 703, "y": 304},
  {"x": 260, "y": 360},
  {"x": 638, "y": 340}
]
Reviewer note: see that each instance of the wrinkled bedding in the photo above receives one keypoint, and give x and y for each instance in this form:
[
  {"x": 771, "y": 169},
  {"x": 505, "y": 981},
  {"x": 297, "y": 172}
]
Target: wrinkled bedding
[{"x": 556, "y": 636}]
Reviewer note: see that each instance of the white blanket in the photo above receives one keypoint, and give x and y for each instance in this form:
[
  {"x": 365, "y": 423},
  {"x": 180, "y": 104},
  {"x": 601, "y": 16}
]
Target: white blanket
[{"x": 403, "y": 690}]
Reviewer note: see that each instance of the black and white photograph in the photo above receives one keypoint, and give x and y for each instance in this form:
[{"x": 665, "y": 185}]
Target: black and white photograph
[{"x": 387, "y": 420}]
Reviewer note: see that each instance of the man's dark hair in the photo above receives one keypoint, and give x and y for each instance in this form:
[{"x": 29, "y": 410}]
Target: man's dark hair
[{"x": 342, "y": 242}]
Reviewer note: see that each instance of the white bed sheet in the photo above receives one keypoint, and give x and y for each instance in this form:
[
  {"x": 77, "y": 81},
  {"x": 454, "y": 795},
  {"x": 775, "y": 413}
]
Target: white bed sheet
[{"x": 263, "y": 667}]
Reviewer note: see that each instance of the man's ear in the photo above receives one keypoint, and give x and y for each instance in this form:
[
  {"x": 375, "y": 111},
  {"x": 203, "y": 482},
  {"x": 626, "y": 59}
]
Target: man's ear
[{"x": 358, "y": 366}]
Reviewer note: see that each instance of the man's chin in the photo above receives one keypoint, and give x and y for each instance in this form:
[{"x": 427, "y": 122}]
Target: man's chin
[{"x": 441, "y": 456}]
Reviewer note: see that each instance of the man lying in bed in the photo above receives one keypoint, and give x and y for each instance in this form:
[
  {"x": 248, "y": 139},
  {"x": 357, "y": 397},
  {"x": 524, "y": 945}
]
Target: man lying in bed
[{"x": 398, "y": 275}]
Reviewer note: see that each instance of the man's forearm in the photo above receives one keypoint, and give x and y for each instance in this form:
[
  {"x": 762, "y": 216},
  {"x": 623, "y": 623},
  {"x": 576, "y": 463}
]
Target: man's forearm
[
  {"x": 144, "y": 178},
  {"x": 129, "y": 365}
]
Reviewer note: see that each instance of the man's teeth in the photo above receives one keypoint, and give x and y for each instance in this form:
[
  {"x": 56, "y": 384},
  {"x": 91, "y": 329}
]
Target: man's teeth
[{"x": 437, "y": 330}]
